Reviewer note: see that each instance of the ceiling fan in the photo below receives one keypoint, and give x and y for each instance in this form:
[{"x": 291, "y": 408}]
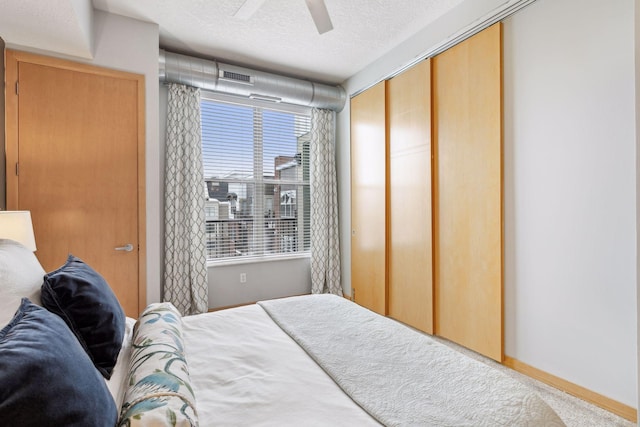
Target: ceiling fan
[{"x": 317, "y": 8}]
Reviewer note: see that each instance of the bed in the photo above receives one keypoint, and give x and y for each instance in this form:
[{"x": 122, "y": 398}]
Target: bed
[{"x": 313, "y": 360}]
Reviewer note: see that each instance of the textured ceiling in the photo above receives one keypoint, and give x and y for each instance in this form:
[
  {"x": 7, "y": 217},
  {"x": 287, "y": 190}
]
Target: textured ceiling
[{"x": 279, "y": 37}]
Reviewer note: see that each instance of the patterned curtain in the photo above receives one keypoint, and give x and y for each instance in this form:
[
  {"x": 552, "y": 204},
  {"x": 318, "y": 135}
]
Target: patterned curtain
[
  {"x": 325, "y": 244},
  {"x": 185, "y": 270}
]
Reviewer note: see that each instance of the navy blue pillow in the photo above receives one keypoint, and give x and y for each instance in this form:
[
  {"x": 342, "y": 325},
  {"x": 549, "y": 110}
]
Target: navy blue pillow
[
  {"x": 84, "y": 300},
  {"x": 46, "y": 377}
]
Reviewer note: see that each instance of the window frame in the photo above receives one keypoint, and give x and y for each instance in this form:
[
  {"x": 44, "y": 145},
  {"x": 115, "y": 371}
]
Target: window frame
[{"x": 274, "y": 106}]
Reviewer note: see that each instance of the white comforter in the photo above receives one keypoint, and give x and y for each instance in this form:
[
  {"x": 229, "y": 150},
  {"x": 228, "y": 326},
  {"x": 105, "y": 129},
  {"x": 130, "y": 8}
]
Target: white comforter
[
  {"x": 403, "y": 377},
  {"x": 246, "y": 371},
  {"x": 254, "y": 366}
]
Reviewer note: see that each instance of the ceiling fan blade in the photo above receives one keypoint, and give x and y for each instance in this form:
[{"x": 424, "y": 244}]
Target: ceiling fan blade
[
  {"x": 248, "y": 8},
  {"x": 320, "y": 15}
]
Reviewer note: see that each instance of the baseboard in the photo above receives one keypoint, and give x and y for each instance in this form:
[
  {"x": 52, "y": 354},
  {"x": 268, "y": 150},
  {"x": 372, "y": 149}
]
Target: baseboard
[{"x": 604, "y": 402}]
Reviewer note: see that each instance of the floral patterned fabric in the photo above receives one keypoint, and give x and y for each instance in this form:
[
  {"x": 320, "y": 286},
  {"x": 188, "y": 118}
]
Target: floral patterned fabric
[{"x": 159, "y": 389}]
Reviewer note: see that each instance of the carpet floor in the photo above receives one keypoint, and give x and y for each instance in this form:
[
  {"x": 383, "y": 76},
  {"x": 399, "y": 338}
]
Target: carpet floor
[{"x": 574, "y": 412}]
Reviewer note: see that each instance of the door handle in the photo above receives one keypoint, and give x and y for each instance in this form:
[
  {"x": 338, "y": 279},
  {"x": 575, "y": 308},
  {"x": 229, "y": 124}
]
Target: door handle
[{"x": 126, "y": 248}]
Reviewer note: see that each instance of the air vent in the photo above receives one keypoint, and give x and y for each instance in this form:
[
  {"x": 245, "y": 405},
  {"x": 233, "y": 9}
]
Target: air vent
[{"x": 236, "y": 77}]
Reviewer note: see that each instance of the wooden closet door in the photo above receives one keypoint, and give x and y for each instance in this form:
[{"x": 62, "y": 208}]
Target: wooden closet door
[
  {"x": 75, "y": 156},
  {"x": 467, "y": 105},
  {"x": 410, "y": 237},
  {"x": 368, "y": 199}
]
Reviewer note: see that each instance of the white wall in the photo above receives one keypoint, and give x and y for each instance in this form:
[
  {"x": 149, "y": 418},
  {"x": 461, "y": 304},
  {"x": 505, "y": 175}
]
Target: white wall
[
  {"x": 570, "y": 195},
  {"x": 130, "y": 45},
  {"x": 265, "y": 280}
]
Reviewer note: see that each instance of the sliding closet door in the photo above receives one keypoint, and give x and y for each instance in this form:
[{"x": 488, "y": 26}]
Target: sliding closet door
[
  {"x": 467, "y": 104},
  {"x": 410, "y": 242},
  {"x": 368, "y": 199}
]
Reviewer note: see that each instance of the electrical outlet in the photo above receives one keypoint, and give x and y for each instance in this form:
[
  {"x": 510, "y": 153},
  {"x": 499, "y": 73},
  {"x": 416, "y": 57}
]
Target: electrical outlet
[{"x": 243, "y": 277}]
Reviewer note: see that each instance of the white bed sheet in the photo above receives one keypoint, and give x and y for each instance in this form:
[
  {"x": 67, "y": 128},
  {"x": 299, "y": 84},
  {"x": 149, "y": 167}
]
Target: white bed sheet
[
  {"x": 116, "y": 384},
  {"x": 246, "y": 371}
]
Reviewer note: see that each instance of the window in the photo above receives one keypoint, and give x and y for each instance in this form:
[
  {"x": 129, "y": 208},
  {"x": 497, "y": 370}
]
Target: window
[{"x": 256, "y": 168}]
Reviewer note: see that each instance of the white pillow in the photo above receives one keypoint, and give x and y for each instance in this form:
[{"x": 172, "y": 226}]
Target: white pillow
[{"x": 21, "y": 275}]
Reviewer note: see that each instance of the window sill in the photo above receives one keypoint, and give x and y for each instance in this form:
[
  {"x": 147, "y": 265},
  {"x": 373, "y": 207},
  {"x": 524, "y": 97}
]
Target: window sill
[{"x": 254, "y": 260}]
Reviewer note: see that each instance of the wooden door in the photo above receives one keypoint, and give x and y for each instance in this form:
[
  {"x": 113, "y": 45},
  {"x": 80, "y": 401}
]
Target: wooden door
[
  {"x": 3, "y": 196},
  {"x": 75, "y": 159},
  {"x": 467, "y": 111},
  {"x": 410, "y": 237},
  {"x": 368, "y": 199}
]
